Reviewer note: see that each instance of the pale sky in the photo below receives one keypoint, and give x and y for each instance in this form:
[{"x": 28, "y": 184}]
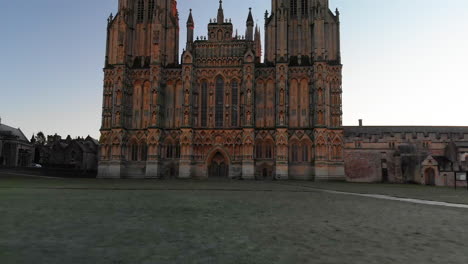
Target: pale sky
[{"x": 404, "y": 60}]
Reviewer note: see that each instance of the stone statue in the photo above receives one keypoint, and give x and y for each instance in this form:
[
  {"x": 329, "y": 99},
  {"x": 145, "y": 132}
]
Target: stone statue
[
  {"x": 187, "y": 95},
  {"x": 117, "y": 118},
  {"x": 282, "y": 97},
  {"x": 154, "y": 119},
  {"x": 186, "y": 118}
]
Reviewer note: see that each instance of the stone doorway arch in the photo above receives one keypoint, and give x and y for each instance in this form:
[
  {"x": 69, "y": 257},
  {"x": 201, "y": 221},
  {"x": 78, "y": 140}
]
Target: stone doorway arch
[
  {"x": 218, "y": 166},
  {"x": 429, "y": 176}
]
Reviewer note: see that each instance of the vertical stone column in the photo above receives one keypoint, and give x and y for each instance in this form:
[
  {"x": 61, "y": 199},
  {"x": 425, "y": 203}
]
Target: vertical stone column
[
  {"x": 186, "y": 138},
  {"x": 153, "y": 159},
  {"x": 248, "y": 163},
  {"x": 248, "y": 120},
  {"x": 186, "y": 151},
  {"x": 114, "y": 168},
  {"x": 282, "y": 154},
  {"x": 282, "y": 121}
]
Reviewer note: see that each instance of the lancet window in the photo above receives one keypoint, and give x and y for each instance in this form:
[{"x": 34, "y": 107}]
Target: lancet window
[
  {"x": 219, "y": 102},
  {"x": 204, "y": 103},
  {"x": 140, "y": 11}
]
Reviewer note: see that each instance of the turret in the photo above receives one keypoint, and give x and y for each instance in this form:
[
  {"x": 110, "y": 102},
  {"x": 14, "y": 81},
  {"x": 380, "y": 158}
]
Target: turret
[
  {"x": 190, "y": 28},
  {"x": 258, "y": 44},
  {"x": 220, "y": 13},
  {"x": 250, "y": 27}
]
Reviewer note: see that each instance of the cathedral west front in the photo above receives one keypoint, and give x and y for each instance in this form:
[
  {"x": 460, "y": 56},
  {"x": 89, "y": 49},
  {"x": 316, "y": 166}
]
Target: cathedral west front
[{"x": 222, "y": 109}]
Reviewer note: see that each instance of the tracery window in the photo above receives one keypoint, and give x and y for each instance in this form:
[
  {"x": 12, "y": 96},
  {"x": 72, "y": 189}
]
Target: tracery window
[
  {"x": 204, "y": 103},
  {"x": 258, "y": 151},
  {"x": 304, "y": 7},
  {"x": 134, "y": 152},
  {"x": 295, "y": 153},
  {"x": 305, "y": 153},
  {"x": 144, "y": 151},
  {"x": 140, "y": 11},
  {"x": 269, "y": 150},
  {"x": 235, "y": 102},
  {"x": 150, "y": 10},
  {"x": 219, "y": 102},
  {"x": 293, "y": 7}
]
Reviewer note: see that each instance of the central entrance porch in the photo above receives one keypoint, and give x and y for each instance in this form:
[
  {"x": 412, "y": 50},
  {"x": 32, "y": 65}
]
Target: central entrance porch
[{"x": 218, "y": 166}]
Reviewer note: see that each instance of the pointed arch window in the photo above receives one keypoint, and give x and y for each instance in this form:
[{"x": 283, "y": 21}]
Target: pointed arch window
[
  {"x": 293, "y": 7},
  {"x": 235, "y": 102},
  {"x": 269, "y": 150},
  {"x": 204, "y": 103},
  {"x": 150, "y": 10},
  {"x": 258, "y": 150},
  {"x": 219, "y": 102},
  {"x": 144, "y": 151},
  {"x": 304, "y": 7},
  {"x": 305, "y": 153},
  {"x": 140, "y": 11},
  {"x": 134, "y": 152},
  {"x": 295, "y": 152}
]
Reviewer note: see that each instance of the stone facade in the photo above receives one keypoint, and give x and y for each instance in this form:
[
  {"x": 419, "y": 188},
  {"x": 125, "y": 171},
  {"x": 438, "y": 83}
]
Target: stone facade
[
  {"x": 15, "y": 148},
  {"x": 79, "y": 154},
  {"x": 423, "y": 155},
  {"x": 222, "y": 111}
]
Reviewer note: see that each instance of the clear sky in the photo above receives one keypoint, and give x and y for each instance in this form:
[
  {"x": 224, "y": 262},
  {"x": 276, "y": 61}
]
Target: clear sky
[{"x": 404, "y": 60}]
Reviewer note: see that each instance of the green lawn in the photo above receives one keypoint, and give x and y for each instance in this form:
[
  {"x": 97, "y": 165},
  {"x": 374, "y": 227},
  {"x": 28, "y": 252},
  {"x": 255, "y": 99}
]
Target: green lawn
[{"x": 98, "y": 221}]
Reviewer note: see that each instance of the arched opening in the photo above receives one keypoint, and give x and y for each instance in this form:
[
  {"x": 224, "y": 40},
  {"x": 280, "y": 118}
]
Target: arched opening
[
  {"x": 218, "y": 166},
  {"x": 429, "y": 175}
]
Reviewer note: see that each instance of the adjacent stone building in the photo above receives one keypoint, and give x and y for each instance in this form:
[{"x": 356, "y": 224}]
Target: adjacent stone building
[
  {"x": 15, "y": 148},
  {"x": 80, "y": 154},
  {"x": 221, "y": 111},
  {"x": 404, "y": 154}
]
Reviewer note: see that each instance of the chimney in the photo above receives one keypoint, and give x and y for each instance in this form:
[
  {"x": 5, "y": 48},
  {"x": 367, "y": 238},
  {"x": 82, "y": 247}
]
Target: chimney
[{"x": 360, "y": 122}]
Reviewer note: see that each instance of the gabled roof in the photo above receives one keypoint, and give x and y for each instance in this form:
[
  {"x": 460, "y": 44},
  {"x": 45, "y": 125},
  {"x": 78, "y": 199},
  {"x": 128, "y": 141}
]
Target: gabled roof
[{"x": 16, "y": 132}]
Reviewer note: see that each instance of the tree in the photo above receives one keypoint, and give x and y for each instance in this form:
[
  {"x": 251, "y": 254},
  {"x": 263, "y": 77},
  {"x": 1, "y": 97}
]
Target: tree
[{"x": 40, "y": 138}]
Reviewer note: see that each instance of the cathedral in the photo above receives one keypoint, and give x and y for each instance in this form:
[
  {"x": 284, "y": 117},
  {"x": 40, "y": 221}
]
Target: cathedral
[{"x": 222, "y": 109}]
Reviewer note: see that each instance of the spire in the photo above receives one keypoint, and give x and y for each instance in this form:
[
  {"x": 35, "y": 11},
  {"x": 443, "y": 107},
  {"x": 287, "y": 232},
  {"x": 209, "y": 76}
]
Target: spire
[
  {"x": 250, "y": 18},
  {"x": 258, "y": 43},
  {"x": 190, "y": 20},
  {"x": 220, "y": 13},
  {"x": 190, "y": 28},
  {"x": 249, "y": 34}
]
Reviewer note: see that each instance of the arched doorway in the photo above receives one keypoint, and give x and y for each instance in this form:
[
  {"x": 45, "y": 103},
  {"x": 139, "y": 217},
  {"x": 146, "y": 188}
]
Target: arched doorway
[
  {"x": 218, "y": 167},
  {"x": 429, "y": 176}
]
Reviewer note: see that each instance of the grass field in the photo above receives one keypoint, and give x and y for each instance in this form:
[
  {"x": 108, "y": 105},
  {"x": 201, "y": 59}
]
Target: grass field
[{"x": 97, "y": 221}]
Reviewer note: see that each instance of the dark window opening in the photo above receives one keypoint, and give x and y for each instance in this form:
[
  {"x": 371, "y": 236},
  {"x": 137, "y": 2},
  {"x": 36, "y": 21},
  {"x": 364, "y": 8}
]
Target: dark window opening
[
  {"x": 235, "y": 103},
  {"x": 140, "y": 11},
  {"x": 204, "y": 104},
  {"x": 219, "y": 102}
]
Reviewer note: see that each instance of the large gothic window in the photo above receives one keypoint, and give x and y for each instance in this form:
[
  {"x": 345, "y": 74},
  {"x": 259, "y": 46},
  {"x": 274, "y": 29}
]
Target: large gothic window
[
  {"x": 134, "y": 152},
  {"x": 143, "y": 151},
  {"x": 293, "y": 7},
  {"x": 305, "y": 153},
  {"x": 140, "y": 11},
  {"x": 295, "y": 152},
  {"x": 219, "y": 101},
  {"x": 204, "y": 103},
  {"x": 150, "y": 10},
  {"x": 235, "y": 102},
  {"x": 304, "y": 7}
]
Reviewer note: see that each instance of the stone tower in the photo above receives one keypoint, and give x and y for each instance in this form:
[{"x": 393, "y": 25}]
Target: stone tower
[{"x": 304, "y": 36}]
